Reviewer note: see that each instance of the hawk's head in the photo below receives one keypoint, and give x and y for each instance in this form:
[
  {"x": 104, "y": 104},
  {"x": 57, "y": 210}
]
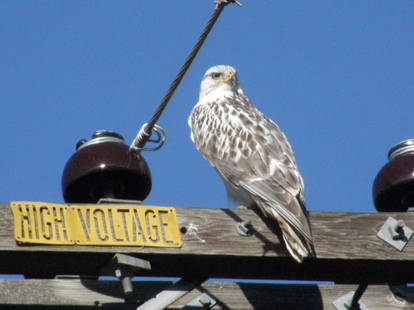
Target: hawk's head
[{"x": 220, "y": 77}]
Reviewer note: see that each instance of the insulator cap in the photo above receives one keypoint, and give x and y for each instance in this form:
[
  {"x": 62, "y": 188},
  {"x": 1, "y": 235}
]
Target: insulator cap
[
  {"x": 105, "y": 167},
  {"x": 393, "y": 188}
]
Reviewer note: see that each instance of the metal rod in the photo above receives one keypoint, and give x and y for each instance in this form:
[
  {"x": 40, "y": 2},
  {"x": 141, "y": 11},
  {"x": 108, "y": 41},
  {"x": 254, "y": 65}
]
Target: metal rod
[{"x": 357, "y": 296}]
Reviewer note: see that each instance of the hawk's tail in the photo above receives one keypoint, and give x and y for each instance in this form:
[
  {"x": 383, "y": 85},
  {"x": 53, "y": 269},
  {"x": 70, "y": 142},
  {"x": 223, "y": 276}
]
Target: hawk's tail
[{"x": 298, "y": 246}]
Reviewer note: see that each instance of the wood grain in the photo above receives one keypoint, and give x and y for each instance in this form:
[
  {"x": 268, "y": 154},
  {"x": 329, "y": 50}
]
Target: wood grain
[
  {"x": 229, "y": 295},
  {"x": 347, "y": 248}
]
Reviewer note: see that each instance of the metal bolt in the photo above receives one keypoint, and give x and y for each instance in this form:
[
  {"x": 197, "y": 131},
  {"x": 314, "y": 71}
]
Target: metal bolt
[
  {"x": 347, "y": 303},
  {"x": 399, "y": 230},
  {"x": 125, "y": 277},
  {"x": 244, "y": 228},
  {"x": 205, "y": 300}
]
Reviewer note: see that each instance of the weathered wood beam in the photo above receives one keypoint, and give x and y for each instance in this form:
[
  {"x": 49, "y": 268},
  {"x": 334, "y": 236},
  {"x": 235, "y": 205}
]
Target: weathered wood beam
[
  {"x": 347, "y": 248},
  {"x": 33, "y": 294}
]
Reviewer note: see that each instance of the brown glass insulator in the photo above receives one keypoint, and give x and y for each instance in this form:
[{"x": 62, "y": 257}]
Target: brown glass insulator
[
  {"x": 105, "y": 167},
  {"x": 393, "y": 188}
]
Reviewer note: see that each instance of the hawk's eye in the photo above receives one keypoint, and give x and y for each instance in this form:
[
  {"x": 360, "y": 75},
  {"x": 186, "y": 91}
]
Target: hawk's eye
[{"x": 215, "y": 75}]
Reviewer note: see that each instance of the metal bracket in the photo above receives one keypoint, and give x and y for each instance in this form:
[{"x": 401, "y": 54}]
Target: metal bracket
[
  {"x": 170, "y": 295},
  {"x": 204, "y": 301},
  {"x": 344, "y": 302},
  {"x": 395, "y": 233},
  {"x": 124, "y": 267}
]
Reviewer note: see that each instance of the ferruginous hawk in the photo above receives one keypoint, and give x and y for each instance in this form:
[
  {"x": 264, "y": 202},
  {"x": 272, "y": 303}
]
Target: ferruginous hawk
[{"x": 252, "y": 156}]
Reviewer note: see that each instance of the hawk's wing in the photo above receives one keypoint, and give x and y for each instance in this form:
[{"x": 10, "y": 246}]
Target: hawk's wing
[{"x": 252, "y": 155}]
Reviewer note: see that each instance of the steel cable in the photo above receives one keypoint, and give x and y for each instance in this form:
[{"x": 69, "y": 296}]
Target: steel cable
[{"x": 144, "y": 134}]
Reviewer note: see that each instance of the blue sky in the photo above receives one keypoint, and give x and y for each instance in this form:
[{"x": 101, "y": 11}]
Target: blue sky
[{"x": 337, "y": 76}]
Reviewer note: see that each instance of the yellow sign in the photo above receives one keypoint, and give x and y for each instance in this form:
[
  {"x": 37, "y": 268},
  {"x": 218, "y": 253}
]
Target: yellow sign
[{"x": 106, "y": 224}]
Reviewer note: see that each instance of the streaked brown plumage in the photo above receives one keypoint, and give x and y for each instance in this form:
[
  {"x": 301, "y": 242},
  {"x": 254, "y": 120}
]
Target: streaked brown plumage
[{"x": 252, "y": 156}]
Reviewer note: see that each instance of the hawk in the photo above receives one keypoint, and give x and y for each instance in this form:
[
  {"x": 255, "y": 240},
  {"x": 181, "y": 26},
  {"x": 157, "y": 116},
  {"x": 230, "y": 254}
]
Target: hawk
[{"x": 252, "y": 156}]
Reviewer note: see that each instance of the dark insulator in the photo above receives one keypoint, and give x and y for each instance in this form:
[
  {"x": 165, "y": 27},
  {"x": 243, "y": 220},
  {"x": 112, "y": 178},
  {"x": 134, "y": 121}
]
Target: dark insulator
[
  {"x": 393, "y": 189},
  {"x": 105, "y": 167}
]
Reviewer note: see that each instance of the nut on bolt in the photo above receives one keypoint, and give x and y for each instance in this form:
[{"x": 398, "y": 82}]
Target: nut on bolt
[{"x": 244, "y": 228}]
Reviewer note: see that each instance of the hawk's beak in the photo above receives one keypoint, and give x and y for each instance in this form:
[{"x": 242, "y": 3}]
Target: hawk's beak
[{"x": 227, "y": 77}]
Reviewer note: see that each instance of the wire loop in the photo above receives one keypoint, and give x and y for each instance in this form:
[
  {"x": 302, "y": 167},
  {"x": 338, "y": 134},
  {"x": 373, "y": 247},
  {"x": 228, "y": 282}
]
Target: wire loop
[
  {"x": 225, "y": 2},
  {"x": 160, "y": 139}
]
